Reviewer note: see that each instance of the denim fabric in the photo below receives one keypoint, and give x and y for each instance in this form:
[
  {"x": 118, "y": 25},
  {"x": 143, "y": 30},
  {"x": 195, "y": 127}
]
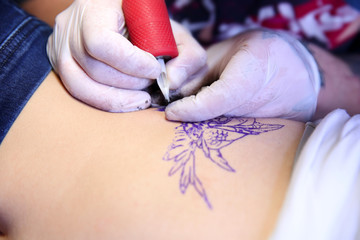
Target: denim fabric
[
  {"x": 19, "y": 1},
  {"x": 23, "y": 61},
  {"x": 354, "y": 3}
]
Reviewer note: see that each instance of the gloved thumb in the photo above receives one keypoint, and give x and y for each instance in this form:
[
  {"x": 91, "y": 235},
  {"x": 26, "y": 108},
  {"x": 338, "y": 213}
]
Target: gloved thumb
[{"x": 198, "y": 107}]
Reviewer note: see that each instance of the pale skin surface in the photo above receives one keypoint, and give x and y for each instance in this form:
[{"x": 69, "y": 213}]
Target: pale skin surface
[
  {"x": 69, "y": 171},
  {"x": 46, "y": 10}
]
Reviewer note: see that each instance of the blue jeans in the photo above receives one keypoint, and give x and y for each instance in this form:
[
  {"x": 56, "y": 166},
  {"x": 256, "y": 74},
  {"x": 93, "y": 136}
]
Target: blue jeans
[
  {"x": 23, "y": 61},
  {"x": 354, "y": 3}
]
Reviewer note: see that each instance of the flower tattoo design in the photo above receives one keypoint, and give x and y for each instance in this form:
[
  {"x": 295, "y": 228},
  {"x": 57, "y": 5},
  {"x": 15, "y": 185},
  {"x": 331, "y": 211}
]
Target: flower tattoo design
[{"x": 210, "y": 137}]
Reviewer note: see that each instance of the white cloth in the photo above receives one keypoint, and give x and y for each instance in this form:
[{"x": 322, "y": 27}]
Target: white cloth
[{"x": 323, "y": 199}]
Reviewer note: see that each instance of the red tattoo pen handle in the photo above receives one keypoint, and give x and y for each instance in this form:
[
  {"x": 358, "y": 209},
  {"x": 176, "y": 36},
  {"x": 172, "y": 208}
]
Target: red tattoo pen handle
[{"x": 149, "y": 29}]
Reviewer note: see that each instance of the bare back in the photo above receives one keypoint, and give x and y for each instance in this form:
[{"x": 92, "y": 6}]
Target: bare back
[{"x": 69, "y": 171}]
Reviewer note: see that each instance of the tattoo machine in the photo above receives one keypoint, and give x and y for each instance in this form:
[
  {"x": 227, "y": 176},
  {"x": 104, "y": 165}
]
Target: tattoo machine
[{"x": 149, "y": 28}]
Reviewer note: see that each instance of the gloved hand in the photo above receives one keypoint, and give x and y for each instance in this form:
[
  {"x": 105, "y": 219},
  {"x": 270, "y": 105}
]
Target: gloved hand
[
  {"x": 259, "y": 73},
  {"x": 99, "y": 66}
]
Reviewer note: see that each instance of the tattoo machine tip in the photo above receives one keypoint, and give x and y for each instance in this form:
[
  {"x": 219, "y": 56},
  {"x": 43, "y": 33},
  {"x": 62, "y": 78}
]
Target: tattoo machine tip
[{"x": 149, "y": 29}]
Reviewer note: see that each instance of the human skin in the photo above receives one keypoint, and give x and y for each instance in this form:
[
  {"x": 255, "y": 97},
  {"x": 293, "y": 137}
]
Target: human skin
[
  {"x": 46, "y": 10},
  {"x": 69, "y": 171},
  {"x": 341, "y": 87}
]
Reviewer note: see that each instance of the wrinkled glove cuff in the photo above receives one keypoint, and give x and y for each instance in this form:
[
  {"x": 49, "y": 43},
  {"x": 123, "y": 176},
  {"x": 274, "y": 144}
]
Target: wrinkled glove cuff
[{"x": 309, "y": 61}]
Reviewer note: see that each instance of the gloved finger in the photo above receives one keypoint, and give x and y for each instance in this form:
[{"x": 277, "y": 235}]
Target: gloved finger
[
  {"x": 98, "y": 95},
  {"x": 205, "y": 105},
  {"x": 191, "y": 58},
  {"x": 234, "y": 89},
  {"x": 101, "y": 38},
  {"x": 192, "y": 85},
  {"x": 108, "y": 75},
  {"x": 218, "y": 57}
]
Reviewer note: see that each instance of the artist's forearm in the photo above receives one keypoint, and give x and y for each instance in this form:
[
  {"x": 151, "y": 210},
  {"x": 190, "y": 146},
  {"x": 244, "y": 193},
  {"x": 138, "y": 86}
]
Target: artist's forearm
[
  {"x": 353, "y": 61},
  {"x": 341, "y": 82}
]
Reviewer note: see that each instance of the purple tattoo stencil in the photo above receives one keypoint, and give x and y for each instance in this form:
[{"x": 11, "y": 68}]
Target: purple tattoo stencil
[{"x": 210, "y": 137}]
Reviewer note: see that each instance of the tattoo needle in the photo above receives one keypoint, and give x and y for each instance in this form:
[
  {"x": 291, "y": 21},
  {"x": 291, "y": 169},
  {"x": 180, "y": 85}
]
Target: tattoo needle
[
  {"x": 149, "y": 29},
  {"x": 162, "y": 80}
]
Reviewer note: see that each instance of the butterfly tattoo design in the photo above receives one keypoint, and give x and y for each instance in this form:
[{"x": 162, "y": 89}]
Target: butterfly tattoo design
[{"x": 208, "y": 137}]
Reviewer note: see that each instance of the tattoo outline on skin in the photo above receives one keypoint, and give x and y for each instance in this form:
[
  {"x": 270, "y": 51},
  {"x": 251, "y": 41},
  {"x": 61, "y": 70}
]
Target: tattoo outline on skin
[{"x": 209, "y": 136}]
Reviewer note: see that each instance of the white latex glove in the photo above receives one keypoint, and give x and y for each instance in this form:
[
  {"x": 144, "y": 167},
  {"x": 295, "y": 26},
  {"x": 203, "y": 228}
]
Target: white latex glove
[
  {"x": 191, "y": 61},
  {"x": 260, "y": 73},
  {"x": 99, "y": 66}
]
